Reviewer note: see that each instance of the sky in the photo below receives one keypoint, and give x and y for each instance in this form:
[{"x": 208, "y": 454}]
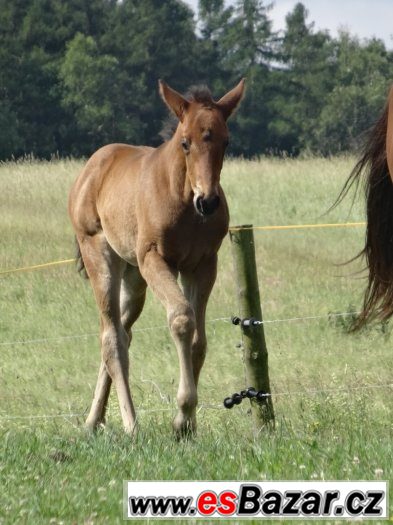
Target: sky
[{"x": 365, "y": 18}]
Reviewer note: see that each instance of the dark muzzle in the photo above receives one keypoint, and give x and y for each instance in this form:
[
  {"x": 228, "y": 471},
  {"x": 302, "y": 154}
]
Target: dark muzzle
[{"x": 207, "y": 206}]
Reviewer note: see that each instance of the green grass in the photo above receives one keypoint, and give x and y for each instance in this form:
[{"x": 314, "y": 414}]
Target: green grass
[{"x": 52, "y": 471}]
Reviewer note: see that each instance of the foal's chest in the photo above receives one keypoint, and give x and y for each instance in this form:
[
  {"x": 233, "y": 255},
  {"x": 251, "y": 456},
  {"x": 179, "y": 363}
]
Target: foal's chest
[{"x": 185, "y": 244}]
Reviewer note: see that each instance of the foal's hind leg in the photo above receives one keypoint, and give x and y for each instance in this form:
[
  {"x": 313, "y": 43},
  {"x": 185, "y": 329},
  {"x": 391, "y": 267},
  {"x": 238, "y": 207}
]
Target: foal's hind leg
[
  {"x": 105, "y": 269},
  {"x": 132, "y": 299},
  {"x": 97, "y": 412}
]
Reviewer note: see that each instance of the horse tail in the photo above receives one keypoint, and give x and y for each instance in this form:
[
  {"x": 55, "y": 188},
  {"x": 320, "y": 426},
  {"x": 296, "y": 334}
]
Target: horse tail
[
  {"x": 80, "y": 265},
  {"x": 374, "y": 164}
]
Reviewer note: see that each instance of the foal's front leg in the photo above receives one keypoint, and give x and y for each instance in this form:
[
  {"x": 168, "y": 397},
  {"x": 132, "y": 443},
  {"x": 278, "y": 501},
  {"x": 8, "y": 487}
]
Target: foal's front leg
[
  {"x": 197, "y": 288},
  {"x": 181, "y": 319}
]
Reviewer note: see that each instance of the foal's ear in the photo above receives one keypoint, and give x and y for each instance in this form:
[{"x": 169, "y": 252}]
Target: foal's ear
[
  {"x": 229, "y": 102},
  {"x": 175, "y": 102}
]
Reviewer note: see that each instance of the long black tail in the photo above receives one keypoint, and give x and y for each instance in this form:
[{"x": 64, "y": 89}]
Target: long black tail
[
  {"x": 378, "y": 249},
  {"x": 80, "y": 265}
]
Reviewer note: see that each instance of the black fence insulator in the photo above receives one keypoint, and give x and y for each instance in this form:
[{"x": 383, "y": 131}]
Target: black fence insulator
[
  {"x": 246, "y": 322},
  {"x": 250, "y": 393},
  {"x": 228, "y": 402},
  {"x": 237, "y": 399},
  {"x": 262, "y": 395}
]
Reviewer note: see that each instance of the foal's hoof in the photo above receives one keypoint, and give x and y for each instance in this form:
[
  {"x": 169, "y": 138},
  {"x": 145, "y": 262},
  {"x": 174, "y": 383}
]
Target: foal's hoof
[
  {"x": 183, "y": 427},
  {"x": 93, "y": 426},
  {"x": 132, "y": 431}
]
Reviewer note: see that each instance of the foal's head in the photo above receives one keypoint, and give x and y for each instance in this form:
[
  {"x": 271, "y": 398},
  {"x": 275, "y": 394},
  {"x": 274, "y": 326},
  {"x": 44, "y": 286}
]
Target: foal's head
[{"x": 203, "y": 137}]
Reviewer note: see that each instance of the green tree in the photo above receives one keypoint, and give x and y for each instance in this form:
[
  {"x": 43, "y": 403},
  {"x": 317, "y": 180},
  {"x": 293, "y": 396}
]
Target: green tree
[
  {"x": 213, "y": 20},
  {"x": 11, "y": 140},
  {"x": 91, "y": 91},
  {"x": 247, "y": 40},
  {"x": 363, "y": 75},
  {"x": 305, "y": 80},
  {"x": 77, "y": 74},
  {"x": 151, "y": 40},
  {"x": 33, "y": 37},
  {"x": 246, "y": 50}
]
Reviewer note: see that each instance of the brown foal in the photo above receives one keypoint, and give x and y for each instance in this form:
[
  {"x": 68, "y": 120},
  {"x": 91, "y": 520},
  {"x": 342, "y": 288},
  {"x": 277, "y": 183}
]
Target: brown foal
[{"x": 142, "y": 216}]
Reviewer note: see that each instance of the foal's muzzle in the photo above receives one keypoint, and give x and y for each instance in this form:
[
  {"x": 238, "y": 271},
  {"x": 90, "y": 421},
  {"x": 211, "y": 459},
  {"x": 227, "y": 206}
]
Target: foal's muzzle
[{"x": 207, "y": 206}]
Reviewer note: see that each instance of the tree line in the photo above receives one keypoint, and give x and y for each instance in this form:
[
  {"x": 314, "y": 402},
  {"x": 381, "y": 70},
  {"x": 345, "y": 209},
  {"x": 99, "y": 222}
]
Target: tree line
[{"x": 77, "y": 74}]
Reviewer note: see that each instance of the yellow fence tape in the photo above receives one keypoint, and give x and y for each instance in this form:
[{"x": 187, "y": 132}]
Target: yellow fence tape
[
  {"x": 298, "y": 226},
  {"x": 37, "y": 266},
  {"x": 232, "y": 229}
]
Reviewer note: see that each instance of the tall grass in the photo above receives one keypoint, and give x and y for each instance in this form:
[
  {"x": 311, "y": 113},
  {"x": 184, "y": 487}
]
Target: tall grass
[{"x": 330, "y": 424}]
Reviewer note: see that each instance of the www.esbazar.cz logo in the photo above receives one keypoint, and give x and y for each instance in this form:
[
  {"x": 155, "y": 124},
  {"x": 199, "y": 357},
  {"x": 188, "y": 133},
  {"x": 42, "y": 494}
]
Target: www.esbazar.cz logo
[{"x": 273, "y": 499}]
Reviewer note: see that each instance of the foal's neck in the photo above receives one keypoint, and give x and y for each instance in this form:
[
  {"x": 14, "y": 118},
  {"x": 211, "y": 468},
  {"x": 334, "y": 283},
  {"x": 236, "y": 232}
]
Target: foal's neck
[{"x": 176, "y": 168}]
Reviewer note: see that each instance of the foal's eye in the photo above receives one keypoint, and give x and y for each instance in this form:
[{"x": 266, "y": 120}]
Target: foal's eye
[
  {"x": 185, "y": 145},
  {"x": 226, "y": 143}
]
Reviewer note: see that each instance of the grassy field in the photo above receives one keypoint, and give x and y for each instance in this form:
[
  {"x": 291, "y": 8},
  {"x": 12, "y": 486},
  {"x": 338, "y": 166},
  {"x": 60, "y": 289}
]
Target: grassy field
[{"x": 51, "y": 471}]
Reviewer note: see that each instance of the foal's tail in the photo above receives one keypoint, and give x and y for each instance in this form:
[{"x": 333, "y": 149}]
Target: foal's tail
[
  {"x": 378, "y": 249},
  {"x": 80, "y": 265}
]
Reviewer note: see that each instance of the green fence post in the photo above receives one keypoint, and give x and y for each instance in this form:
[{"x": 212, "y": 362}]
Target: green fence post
[{"x": 254, "y": 344}]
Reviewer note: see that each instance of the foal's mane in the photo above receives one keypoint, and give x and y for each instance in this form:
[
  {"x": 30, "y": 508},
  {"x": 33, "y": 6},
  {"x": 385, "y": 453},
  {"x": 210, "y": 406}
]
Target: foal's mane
[{"x": 200, "y": 94}]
